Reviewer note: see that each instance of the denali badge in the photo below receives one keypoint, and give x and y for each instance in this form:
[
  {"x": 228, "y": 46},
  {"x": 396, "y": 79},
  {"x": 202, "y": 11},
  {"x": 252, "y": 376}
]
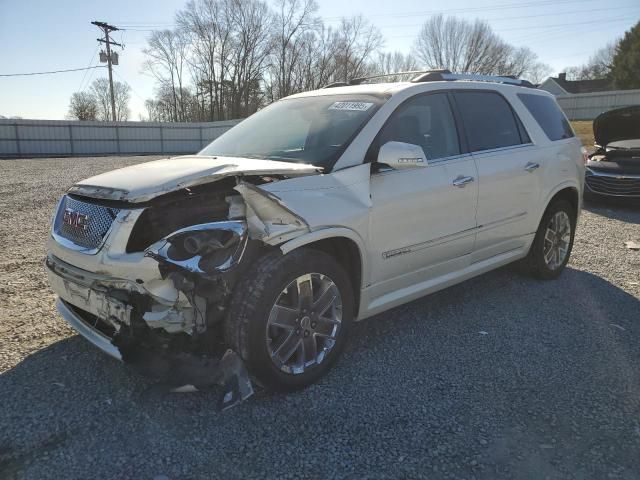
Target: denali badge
[{"x": 75, "y": 219}]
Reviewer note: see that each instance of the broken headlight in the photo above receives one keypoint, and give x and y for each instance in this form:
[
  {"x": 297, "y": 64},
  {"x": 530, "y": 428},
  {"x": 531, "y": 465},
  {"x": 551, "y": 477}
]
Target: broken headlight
[{"x": 205, "y": 248}]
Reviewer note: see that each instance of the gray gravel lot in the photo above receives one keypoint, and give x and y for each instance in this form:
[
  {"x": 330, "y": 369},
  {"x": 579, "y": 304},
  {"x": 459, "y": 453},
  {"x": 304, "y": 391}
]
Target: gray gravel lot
[{"x": 551, "y": 390}]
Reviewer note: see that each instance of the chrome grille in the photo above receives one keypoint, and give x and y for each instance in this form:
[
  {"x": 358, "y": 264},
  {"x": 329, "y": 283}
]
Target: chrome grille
[
  {"x": 98, "y": 222},
  {"x": 608, "y": 185}
]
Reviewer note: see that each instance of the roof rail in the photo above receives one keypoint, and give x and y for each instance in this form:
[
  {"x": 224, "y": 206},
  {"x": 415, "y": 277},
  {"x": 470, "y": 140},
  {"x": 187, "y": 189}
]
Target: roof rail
[
  {"x": 336, "y": 84},
  {"x": 446, "y": 75},
  {"x": 360, "y": 80},
  {"x": 439, "y": 76}
]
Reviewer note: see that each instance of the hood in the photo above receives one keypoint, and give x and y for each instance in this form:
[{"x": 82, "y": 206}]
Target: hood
[
  {"x": 140, "y": 183},
  {"x": 617, "y": 125}
]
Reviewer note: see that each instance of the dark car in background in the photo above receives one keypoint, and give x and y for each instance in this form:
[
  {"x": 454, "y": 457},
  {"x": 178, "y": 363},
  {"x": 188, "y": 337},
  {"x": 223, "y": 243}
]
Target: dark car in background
[{"x": 613, "y": 170}]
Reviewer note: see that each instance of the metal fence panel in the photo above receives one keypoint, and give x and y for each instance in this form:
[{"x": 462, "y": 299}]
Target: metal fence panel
[
  {"x": 587, "y": 106},
  {"x": 44, "y": 138}
]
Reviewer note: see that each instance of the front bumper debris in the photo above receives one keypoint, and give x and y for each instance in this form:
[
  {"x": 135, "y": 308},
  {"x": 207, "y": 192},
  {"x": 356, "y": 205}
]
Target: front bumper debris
[
  {"x": 97, "y": 338},
  {"x": 101, "y": 313}
]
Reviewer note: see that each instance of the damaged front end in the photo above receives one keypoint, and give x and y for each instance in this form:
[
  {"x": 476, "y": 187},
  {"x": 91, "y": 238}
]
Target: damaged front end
[
  {"x": 169, "y": 325},
  {"x": 172, "y": 334}
]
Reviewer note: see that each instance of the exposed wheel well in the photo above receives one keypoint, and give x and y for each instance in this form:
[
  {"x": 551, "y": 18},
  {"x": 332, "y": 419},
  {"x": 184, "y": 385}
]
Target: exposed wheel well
[
  {"x": 347, "y": 254},
  {"x": 570, "y": 194}
]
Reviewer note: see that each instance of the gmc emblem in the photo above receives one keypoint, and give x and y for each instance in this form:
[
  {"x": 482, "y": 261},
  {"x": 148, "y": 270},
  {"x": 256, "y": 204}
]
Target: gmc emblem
[{"x": 75, "y": 219}]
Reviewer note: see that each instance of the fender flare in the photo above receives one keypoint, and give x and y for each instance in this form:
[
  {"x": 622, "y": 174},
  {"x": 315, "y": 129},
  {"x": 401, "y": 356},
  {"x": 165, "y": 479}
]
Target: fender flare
[{"x": 331, "y": 232}]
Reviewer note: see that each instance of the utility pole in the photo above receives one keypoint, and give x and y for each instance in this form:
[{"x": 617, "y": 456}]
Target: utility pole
[{"x": 106, "y": 28}]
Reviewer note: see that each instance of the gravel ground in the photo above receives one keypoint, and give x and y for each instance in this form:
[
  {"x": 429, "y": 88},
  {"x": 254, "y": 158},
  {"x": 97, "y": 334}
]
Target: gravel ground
[{"x": 499, "y": 377}]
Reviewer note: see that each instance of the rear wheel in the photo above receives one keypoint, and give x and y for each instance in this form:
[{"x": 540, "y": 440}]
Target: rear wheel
[
  {"x": 289, "y": 318},
  {"x": 553, "y": 242}
]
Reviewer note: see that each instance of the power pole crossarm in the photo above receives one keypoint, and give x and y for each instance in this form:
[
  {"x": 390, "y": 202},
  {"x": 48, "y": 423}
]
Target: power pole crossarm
[{"x": 106, "y": 28}]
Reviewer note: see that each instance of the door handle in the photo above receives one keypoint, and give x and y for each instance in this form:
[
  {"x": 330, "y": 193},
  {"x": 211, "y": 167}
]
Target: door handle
[
  {"x": 461, "y": 181},
  {"x": 530, "y": 167}
]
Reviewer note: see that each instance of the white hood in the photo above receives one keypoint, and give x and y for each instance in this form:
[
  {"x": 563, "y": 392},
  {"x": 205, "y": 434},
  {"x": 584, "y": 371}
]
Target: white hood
[{"x": 139, "y": 183}]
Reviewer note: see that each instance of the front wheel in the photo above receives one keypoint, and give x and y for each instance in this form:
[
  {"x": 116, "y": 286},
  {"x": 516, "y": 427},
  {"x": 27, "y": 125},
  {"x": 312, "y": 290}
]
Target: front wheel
[
  {"x": 290, "y": 316},
  {"x": 553, "y": 242}
]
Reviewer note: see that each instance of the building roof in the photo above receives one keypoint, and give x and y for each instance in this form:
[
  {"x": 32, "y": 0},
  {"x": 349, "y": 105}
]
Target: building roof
[{"x": 582, "y": 86}]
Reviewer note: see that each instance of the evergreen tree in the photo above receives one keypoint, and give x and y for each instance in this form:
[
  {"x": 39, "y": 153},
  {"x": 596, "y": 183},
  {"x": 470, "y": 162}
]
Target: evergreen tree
[{"x": 625, "y": 70}]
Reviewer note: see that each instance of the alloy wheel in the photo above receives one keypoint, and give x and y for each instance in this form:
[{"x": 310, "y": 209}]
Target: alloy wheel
[
  {"x": 557, "y": 239},
  {"x": 304, "y": 322}
]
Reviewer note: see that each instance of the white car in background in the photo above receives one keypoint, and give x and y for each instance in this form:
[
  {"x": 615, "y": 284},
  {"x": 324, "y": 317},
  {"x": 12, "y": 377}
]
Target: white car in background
[{"x": 323, "y": 208}]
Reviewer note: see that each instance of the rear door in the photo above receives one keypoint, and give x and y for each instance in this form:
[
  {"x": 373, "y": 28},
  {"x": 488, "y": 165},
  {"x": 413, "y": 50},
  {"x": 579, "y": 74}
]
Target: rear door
[
  {"x": 509, "y": 167},
  {"x": 422, "y": 219}
]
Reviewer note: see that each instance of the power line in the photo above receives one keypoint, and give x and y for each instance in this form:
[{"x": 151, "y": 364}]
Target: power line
[
  {"x": 91, "y": 60},
  {"x": 508, "y": 6},
  {"x": 147, "y": 26},
  {"x": 47, "y": 73},
  {"x": 520, "y": 17},
  {"x": 545, "y": 27},
  {"x": 132, "y": 89}
]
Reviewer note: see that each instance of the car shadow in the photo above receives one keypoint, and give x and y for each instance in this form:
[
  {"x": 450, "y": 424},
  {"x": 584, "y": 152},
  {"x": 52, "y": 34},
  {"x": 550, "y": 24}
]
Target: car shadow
[
  {"x": 625, "y": 210},
  {"x": 493, "y": 353}
]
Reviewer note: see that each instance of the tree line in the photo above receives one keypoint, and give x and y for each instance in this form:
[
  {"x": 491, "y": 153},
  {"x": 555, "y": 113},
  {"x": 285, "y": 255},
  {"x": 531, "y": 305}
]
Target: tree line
[
  {"x": 618, "y": 61},
  {"x": 95, "y": 102},
  {"x": 225, "y": 59}
]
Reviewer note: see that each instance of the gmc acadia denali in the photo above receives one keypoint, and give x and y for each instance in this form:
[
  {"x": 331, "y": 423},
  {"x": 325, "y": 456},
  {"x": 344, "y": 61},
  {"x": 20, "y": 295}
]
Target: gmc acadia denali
[{"x": 249, "y": 261}]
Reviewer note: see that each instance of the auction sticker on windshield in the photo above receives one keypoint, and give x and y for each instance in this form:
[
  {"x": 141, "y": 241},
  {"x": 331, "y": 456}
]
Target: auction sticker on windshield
[{"x": 353, "y": 106}]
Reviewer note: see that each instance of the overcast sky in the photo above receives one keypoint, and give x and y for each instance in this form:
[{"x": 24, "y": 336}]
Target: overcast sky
[{"x": 43, "y": 35}]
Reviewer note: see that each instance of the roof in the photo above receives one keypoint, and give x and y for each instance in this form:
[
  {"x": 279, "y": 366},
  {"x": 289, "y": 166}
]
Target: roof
[
  {"x": 366, "y": 88},
  {"x": 583, "y": 86},
  {"x": 392, "y": 88}
]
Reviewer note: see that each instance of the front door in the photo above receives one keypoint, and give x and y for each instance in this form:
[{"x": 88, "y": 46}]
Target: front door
[{"x": 422, "y": 219}]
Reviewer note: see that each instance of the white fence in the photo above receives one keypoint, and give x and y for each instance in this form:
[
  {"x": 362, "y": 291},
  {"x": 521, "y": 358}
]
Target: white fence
[
  {"x": 587, "y": 106},
  {"x": 50, "y": 138}
]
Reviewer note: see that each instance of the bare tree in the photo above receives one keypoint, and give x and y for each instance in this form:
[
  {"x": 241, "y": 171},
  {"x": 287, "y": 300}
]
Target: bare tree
[
  {"x": 251, "y": 24},
  {"x": 230, "y": 44},
  {"x": 294, "y": 25},
  {"x": 82, "y": 106},
  {"x": 392, "y": 62},
  {"x": 122, "y": 93},
  {"x": 537, "y": 72},
  {"x": 357, "y": 41},
  {"x": 207, "y": 25},
  {"x": 465, "y": 47},
  {"x": 598, "y": 65},
  {"x": 167, "y": 52}
]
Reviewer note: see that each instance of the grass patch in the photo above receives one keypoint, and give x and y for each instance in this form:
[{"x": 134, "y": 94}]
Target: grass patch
[{"x": 584, "y": 129}]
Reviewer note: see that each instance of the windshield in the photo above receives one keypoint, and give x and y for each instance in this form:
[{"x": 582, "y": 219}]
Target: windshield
[{"x": 313, "y": 130}]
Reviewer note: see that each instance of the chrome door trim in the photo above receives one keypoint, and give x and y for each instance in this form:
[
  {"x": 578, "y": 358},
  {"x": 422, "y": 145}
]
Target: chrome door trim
[
  {"x": 502, "y": 221},
  {"x": 430, "y": 163},
  {"x": 502, "y": 149},
  {"x": 430, "y": 243}
]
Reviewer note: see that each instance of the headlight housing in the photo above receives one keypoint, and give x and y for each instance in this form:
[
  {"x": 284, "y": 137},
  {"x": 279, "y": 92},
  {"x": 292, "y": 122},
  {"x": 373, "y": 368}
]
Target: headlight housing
[{"x": 206, "y": 249}]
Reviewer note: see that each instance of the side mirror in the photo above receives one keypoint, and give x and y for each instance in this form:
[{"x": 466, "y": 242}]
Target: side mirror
[{"x": 399, "y": 155}]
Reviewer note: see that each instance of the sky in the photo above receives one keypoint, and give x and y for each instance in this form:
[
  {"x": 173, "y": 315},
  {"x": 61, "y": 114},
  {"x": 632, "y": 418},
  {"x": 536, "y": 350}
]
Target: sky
[{"x": 44, "y": 35}]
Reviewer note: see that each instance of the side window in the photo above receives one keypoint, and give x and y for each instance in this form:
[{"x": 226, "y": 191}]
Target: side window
[
  {"x": 427, "y": 121},
  {"x": 488, "y": 121},
  {"x": 548, "y": 115}
]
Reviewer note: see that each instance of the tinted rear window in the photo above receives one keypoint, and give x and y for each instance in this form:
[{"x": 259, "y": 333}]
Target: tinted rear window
[
  {"x": 548, "y": 115},
  {"x": 489, "y": 121}
]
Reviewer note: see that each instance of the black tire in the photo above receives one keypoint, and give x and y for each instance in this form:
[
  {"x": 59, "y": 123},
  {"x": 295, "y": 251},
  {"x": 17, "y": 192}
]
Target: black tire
[
  {"x": 252, "y": 301},
  {"x": 534, "y": 263}
]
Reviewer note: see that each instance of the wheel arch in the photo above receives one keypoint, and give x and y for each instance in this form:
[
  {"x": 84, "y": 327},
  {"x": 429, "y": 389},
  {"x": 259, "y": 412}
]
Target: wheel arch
[
  {"x": 567, "y": 191},
  {"x": 343, "y": 244}
]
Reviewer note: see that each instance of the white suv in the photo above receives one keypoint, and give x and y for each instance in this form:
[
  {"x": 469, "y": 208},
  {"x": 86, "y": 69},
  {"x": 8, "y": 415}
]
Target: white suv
[{"x": 323, "y": 208}]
